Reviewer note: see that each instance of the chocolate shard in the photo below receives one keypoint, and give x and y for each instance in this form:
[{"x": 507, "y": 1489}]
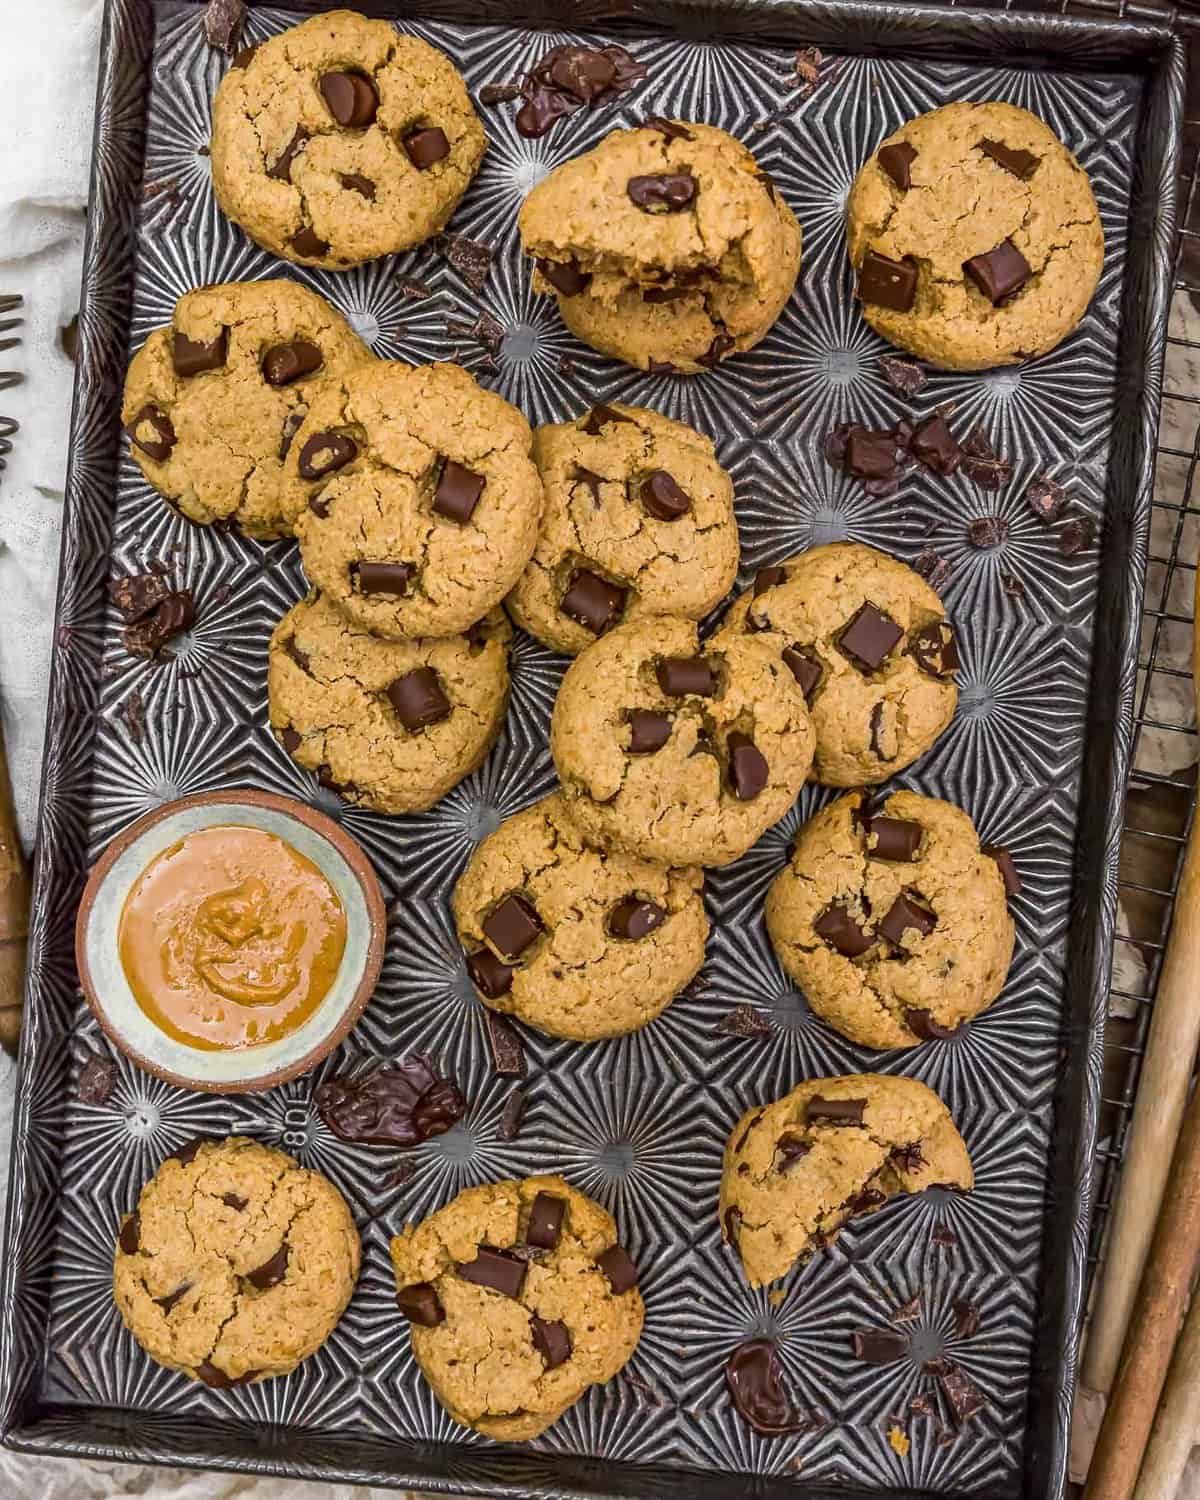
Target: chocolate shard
[
  {"x": 499, "y": 93},
  {"x": 897, "y": 839},
  {"x": 870, "y": 637},
  {"x": 879, "y": 1346},
  {"x": 835, "y": 1111},
  {"x": 986, "y": 532},
  {"x": 390, "y": 1106},
  {"x": 545, "y": 1221},
  {"x": 754, "y": 1375},
  {"x": 663, "y": 498},
  {"x": 137, "y": 595},
  {"x": 599, "y": 417},
  {"x": 672, "y": 130},
  {"x": 472, "y": 259},
  {"x": 272, "y": 1271},
  {"x": 420, "y": 1304},
  {"x": 565, "y": 276},
  {"x": 966, "y": 1318},
  {"x": 934, "y": 649},
  {"x": 1046, "y": 498},
  {"x": 748, "y": 769},
  {"x": 896, "y": 160},
  {"x": 146, "y": 637},
  {"x": 152, "y": 432},
  {"x": 686, "y": 676},
  {"x": 419, "y": 699},
  {"x": 1022, "y": 164},
  {"x": 281, "y": 169},
  {"x": 382, "y": 577},
  {"x": 870, "y": 455},
  {"x": 805, "y": 667},
  {"x": 1008, "y": 870},
  {"x": 511, "y": 1116},
  {"x": 234, "y": 1201},
  {"x": 933, "y": 568},
  {"x": 198, "y": 357},
  {"x": 721, "y": 345},
  {"x": 508, "y": 1055},
  {"x": 292, "y": 424},
  {"x": 922, "y": 1024},
  {"x": 1077, "y": 536},
  {"x": 223, "y": 22},
  {"x": 189, "y": 1151},
  {"x": 494, "y": 1269},
  {"x": 663, "y": 192},
  {"x": 963, "y": 1396},
  {"x": 906, "y": 915},
  {"x": 634, "y": 918},
  {"x": 841, "y": 931},
  {"x": 169, "y": 1301},
  {"x": 648, "y": 731},
  {"x": 620, "y": 1270},
  {"x": 1000, "y": 272},
  {"x": 490, "y": 975},
  {"x": 905, "y": 376},
  {"x": 285, "y": 363},
  {"x": 512, "y": 927},
  {"x": 551, "y": 1340},
  {"x": 891, "y": 284},
  {"x": 97, "y": 1079},
  {"x": 593, "y": 602},
  {"x": 425, "y": 148},
  {"x": 936, "y": 446},
  {"x": 351, "y": 98},
  {"x": 130, "y": 1237},
  {"x": 746, "y": 1021},
  {"x": 981, "y": 462}
]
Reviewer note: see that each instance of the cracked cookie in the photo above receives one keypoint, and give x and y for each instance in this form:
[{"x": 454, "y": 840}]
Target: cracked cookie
[
  {"x": 389, "y": 725},
  {"x": 638, "y": 520},
  {"x": 519, "y": 1298},
  {"x": 213, "y": 401},
  {"x": 341, "y": 139},
  {"x": 415, "y": 500},
  {"x": 892, "y": 920},
  {"x": 834, "y": 1149},
  {"x": 976, "y": 237},
  {"x": 579, "y": 942},
  {"x": 868, "y": 642},
  {"x": 236, "y": 1265},
  {"x": 666, "y": 246},
  {"x": 676, "y": 754}
]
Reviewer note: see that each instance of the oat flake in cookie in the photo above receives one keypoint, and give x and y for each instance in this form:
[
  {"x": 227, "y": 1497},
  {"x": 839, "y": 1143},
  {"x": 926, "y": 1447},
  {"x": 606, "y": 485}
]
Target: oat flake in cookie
[
  {"x": 666, "y": 246},
  {"x": 867, "y": 641},
  {"x": 637, "y": 503},
  {"x": 677, "y": 753},
  {"x": 415, "y": 499},
  {"x": 519, "y": 1297},
  {"x": 213, "y": 400},
  {"x": 341, "y": 139},
  {"x": 892, "y": 920},
  {"x": 1003, "y": 281},
  {"x": 797, "y": 1170},
  {"x": 579, "y": 942},
  {"x": 236, "y": 1264},
  {"x": 389, "y": 725}
]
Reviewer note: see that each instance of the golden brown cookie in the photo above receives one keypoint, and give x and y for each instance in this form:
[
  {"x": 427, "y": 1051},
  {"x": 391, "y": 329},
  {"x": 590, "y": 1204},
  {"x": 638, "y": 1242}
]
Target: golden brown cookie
[
  {"x": 213, "y": 401},
  {"x": 575, "y": 941},
  {"x": 834, "y": 1149},
  {"x": 389, "y": 725},
  {"x": 519, "y": 1298},
  {"x": 666, "y": 246},
  {"x": 638, "y": 521},
  {"x": 868, "y": 642},
  {"x": 976, "y": 237},
  {"x": 892, "y": 921},
  {"x": 342, "y": 139},
  {"x": 237, "y": 1264}
]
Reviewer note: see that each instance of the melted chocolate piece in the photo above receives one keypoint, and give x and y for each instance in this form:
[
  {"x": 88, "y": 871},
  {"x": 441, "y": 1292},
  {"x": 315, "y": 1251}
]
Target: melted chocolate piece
[
  {"x": 769, "y": 578},
  {"x": 896, "y": 160},
  {"x": 634, "y": 919},
  {"x": 308, "y": 243},
  {"x": 791, "y": 1148},
  {"x": 419, "y": 1303},
  {"x": 354, "y": 182},
  {"x": 351, "y": 98},
  {"x": 905, "y": 915},
  {"x": 894, "y": 838},
  {"x": 600, "y": 416},
  {"x": 1008, "y": 870},
  {"x": 754, "y": 1375},
  {"x": 391, "y": 1106},
  {"x": 272, "y": 1271},
  {"x": 936, "y": 446},
  {"x": 571, "y": 77},
  {"x": 1022, "y": 164},
  {"x": 841, "y": 931},
  {"x": 805, "y": 667},
  {"x": 169, "y": 1301},
  {"x": 189, "y": 358},
  {"x": 490, "y": 975},
  {"x": 156, "y": 443},
  {"x": 137, "y": 595},
  {"x": 292, "y": 424},
  {"x": 217, "y": 1380},
  {"x": 934, "y": 649},
  {"x": 721, "y": 345},
  {"x": 748, "y": 769},
  {"x": 281, "y": 170},
  {"x": 663, "y": 498},
  {"x": 879, "y": 1346},
  {"x": 648, "y": 731},
  {"x": 232, "y": 1200},
  {"x": 284, "y": 364},
  {"x": 663, "y": 192},
  {"x": 147, "y": 637},
  {"x": 130, "y": 1237},
  {"x": 382, "y": 577},
  {"x": 325, "y": 453},
  {"x": 425, "y": 148},
  {"x": 565, "y": 276}
]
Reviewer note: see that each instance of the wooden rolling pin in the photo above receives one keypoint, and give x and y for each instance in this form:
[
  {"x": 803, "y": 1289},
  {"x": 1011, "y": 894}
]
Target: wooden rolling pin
[
  {"x": 1175, "y": 1428},
  {"x": 14, "y": 915}
]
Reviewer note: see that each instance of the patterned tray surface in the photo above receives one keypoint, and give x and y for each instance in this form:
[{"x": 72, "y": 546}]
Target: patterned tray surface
[{"x": 638, "y": 1122}]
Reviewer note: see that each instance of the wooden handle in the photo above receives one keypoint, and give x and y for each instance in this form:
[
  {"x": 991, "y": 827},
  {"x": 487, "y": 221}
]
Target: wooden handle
[
  {"x": 1175, "y": 1427},
  {"x": 14, "y": 915}
]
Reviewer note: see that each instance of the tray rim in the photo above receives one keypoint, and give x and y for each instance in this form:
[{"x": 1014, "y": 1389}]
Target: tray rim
[{"x": 1155, "y": 50}]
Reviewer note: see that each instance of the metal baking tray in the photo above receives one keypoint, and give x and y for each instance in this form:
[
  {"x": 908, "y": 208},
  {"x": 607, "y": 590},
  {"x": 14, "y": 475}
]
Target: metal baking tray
[{"x": 1037, "y": 752}]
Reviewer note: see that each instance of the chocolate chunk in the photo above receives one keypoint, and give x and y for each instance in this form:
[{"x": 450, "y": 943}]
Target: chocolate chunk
[
  {"x": 272, "y": 1271},
  {"x": 744, "y": 1020},
  {"x": 390, "y": 1106},
  {"x": 458, "y": 491},
  {"x": 1077, "y": 536},
  {"x": 424, "y": 148},
  {"x": 409, "y": 286},
  {"x": 634, "y": 919},
  {"x": 933, "y": 568},
  {"x": 908, "y": 1312},
  {"x": 382, "y": 577},
  {"x": 732, "y": 1221},
  {"x": 472, "y": 259},
  {"x": 963, "y": 1396},
  {"x": 966, "y": 1318},
  {"x": 169, "y": 1301},
  {"x": 539, "y": 112},
  {"x": 511, "y": 1116},
  {"x": 672, "y": 130},
  {"x": 241, "y": 59},
  {"x": 593, "y": 482},
  {"x": 748, "y": 769},
  {"x": 620, "y": 1270},
  {"x": 600, "y": 416},
  {"x": 292, "y": 424},
  {"x": 137, "y": 595},
  {"x": 879, "y": 1346},
  {"x": 648, "y": 731},
  {"x": 308, "y": 243},
  {"x": 188, "y": 1152},
  {"x": 490, "y": 975},
  {"x": 1046, "y": 498},
  {"x": 130, "y": 1236},
  {"x": 981, "y": 462},
  {"x": 721, "y": 345},
  {"x": 840, "y": 930},
  {"x": 592, "y": 601},
  {"x": 768, "y": 578},
  {"x": 888, "y": 283},
  {"x": 1000, "y": 272},
  {"x": 896, "y": 160},
  {"x": 281, "y": 170},
  {"x": 494, "y": 1269},
  {"x": 870, "y": 455},
  {"x": 545, "y": 1221},
  {"x": 661, "y": 367},
  {"x": 805, "y": 667},
  {"x": 985, "y": 532},
  {"x": 146, "y": 637},
  {"x": 790, "y": 1149},
  {"x": 565, "y": 276},
  {"x": 935, "y": 445},
  {"x": 909, "y": 1158},
  {"x": 97, "y": 1079},
  {"x": 499, "y": 93},
  {"x": 584, "y": 72},
  {"x": 663, "y": 192},
  {"x": 878, "y": 744},
  {"x": 508, "y": 1056},
  {"x": 922, "y": 1024},
  {"x": 551, "y": 1340},
  {"x": 419, "y": 1303},
  {"x": 512, "y": 927},
  {"x": 905, "y": 376},
  {"x": 1012, "y": 585},
  {"x": 934, "y": 649},
  {"x": 218, "y": 1380},
  {"x": 905, "y": 915},
  {"x": 355, "y": 182},
  {"x": 663, "y": 498},
  {"x": 151, "y": 431},
  {"x": 325, "y": 453},
  {"x": 835, "y": 1111},
  {"x": 418, "y": 699},
  {"x": 351, "y": 98},
  {"x": 285, "y": 363},
  {"x": 570, "y": 77},
  {"x": 869, "y": 637},
  {"x": 1008, "y": 871},
  {"x": 894, "y": 838},
  {"x": 1020, "y": 163},
  {"x": 232, "y": 1200},
  {"x": 223, "y": 22},
  {"x": 754, "y": 1375},
  {"x": 191, "y": 358},
  {"x": 683, "y": 676}
]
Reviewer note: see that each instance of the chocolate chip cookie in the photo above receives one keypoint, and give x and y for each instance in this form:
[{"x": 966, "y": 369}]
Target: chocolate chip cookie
[
  {"x": 638, "y": 521},
  {"x": 834, "y": 1149},
  {"x": 666, "y": 246},
  {"x": 891, "y": 919},
  {"x": 519, "y": 1296},
  {"x": 976, "y": 237},
  {"x": 579, "y": 942},
  {"x": 236, "y": 1264},
  {"x": 389, "y": 725},
  {"x": 213, "y": 401},
  {"x": 414, "y": 497},
  {"x": 677, "y": 754},
  {"x": 867, "y": 641},
  {"x": 341, "y": 139}
]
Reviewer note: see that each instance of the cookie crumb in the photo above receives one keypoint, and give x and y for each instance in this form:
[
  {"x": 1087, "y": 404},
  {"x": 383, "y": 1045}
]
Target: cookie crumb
[{"x": 900, "y": 1443}]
